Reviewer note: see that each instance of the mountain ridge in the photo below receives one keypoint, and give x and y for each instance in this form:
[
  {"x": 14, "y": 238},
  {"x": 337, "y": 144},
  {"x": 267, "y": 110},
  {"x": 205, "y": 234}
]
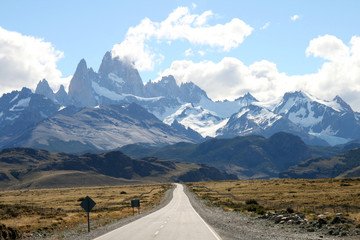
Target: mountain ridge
[
  {"x": 184, "y": 107},
  {"x": 31, "y": 168}
]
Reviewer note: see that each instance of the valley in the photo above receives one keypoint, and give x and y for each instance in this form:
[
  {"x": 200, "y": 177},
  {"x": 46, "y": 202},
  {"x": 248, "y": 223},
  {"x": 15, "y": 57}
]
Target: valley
[
  {"x": 224, "y": 120},
  {"x": 233, "y": 208}
]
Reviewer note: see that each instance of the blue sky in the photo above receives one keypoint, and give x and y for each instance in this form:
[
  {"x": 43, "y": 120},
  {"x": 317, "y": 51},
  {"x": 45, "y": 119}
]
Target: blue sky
[{"x": 270, "y": 54}]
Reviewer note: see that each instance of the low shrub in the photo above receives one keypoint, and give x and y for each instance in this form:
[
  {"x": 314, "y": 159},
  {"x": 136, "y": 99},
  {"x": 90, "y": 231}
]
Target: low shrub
[
  {"x": 290, "y": 210},
  {"x": 251, "y": 202}
]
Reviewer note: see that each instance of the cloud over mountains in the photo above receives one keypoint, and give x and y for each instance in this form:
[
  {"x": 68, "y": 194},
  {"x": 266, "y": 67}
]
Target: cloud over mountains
[
  {"x": 231, "y": 78},
  {"x": 24, "y": 60},
  {"x": 179, "y": 25}
]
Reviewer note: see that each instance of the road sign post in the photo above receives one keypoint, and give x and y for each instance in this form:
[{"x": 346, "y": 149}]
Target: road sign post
[
  {"x": 87, "y": 204},
  {"x": 134, "y": 204}
]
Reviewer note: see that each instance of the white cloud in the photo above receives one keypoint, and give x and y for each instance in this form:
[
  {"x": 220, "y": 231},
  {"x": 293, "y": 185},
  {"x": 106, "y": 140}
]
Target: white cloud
[
  {"x": 266, "y": 25},
  {"x": 180, "y": 24},
  {"x": 328, "y": 47},
  {"x": 231, "y": 78},
  {"x": 25, "y": 60},
  {"x": 203, "y": 18},
  {"x": 294, "y": 17}
]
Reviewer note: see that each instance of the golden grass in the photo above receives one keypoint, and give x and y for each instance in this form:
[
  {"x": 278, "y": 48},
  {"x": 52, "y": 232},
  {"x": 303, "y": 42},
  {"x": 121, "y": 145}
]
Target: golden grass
[
  {"x": 311, "y": 197},
  {"x": 56, "y": 210}
]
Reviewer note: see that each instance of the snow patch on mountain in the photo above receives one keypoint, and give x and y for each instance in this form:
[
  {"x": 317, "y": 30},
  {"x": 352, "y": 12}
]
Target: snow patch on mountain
[
  {"x": 269, "y": 105},
  {"x": 260, "y": 116},
  {"x": 329, "y": 138},
  {"x": 115, "y": 78},
  {"x": 102, "y": 91},
  {"x": 23, "y": 103},
  {"x": 331, "y": 104},
  {"x": 12, "y": 118},
  {"x": 16, "y": 97},
  {"x": 61, "y": 108},
  {"x": 201, "y": 120},
  {"x": 144, "y": 99},
  {"x": 226, "y": 108},
  {"x": 167, "y": 111},
  {"x": 304, "y": 117}
]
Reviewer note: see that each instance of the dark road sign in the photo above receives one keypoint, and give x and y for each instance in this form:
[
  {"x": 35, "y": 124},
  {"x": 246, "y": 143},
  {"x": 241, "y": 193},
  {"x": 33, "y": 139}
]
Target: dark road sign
[
  {"x": 135, "y": 203},
  {"x": 87, "y": 204}
]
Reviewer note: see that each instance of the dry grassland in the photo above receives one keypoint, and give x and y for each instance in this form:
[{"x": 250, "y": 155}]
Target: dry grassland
[
  {"x": 312, "y": 197},
  {"x": 56, "y": 210}
]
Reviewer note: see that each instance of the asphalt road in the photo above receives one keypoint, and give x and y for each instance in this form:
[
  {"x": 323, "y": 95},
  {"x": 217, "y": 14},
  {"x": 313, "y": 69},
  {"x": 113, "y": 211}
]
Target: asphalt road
[{"x": 177, "y": 220}]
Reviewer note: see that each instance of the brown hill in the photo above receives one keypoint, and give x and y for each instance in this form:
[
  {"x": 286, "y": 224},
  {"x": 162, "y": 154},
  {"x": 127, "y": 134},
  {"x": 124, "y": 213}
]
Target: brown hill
[
  {"x": 345, "y": 165},
  {"x": 30, "y": 168}
]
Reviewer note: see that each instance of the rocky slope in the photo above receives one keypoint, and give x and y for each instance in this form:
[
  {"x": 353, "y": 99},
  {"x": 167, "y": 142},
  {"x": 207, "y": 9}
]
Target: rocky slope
[{"x": 106, "y": 127}]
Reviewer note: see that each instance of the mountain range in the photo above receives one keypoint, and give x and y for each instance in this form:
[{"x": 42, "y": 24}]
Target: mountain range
[
  {"x": 112, "y": 107},
  {"x": 253, "y": 157}
]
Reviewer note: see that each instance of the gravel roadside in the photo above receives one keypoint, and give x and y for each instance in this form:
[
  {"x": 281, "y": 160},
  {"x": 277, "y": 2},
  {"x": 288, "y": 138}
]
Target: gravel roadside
[{"x": 237, "y": 225}]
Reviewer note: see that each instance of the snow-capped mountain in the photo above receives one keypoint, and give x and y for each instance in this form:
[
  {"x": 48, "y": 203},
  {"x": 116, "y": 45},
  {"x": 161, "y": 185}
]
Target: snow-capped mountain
[
  {"x": 118, "y": 81},
  {"x": 255, "y": 119},
  {"x": 316, "y": 121},
  {"x": 201, "y": 120},
  {"x": 333, "y": 121},
  {"x": 20, "y": 110},
  {"x": 185, "y": 108},
  {"x": 101, "y": 128}
]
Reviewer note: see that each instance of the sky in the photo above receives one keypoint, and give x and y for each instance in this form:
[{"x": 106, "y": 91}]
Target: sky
[{"x": 227, "y": 48}]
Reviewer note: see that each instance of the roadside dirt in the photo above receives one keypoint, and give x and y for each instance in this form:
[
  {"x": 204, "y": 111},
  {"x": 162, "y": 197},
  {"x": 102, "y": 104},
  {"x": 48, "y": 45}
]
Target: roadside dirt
[{"x": 237, "y": 225}]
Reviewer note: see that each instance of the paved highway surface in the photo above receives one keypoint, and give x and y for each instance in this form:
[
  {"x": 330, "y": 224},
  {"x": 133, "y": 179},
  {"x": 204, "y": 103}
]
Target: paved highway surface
[{"x": 177, "y": 220}]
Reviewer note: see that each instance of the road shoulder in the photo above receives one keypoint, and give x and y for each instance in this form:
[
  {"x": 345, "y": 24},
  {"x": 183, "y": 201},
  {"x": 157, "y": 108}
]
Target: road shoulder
[{"x": 237, "y": 225}]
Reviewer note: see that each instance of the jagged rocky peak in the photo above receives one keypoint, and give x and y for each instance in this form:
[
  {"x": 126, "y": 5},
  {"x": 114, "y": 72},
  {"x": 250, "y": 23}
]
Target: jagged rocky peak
[
  {"x": 61, "y": 90},
  {"x": 192, "y": 93},
  {"x": 250, "y": 97},
  {"x": 120, "y": 75},
  {"x": 166, "y": 87},
  {"x": 80, "y": 88},
  {"x": 44, "y": 89},
  {"x": 295, "y": 94},
  {"x": 81, "y": 68},
  {"x": 247, "y": 99},
  {"x": 299, "y": 98},
  {"x": 346, "y": 107},
  {"x": 168, "y": 81},
  {"x": 62, "y": 97},
  {"x": 8, "y": 100}
]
